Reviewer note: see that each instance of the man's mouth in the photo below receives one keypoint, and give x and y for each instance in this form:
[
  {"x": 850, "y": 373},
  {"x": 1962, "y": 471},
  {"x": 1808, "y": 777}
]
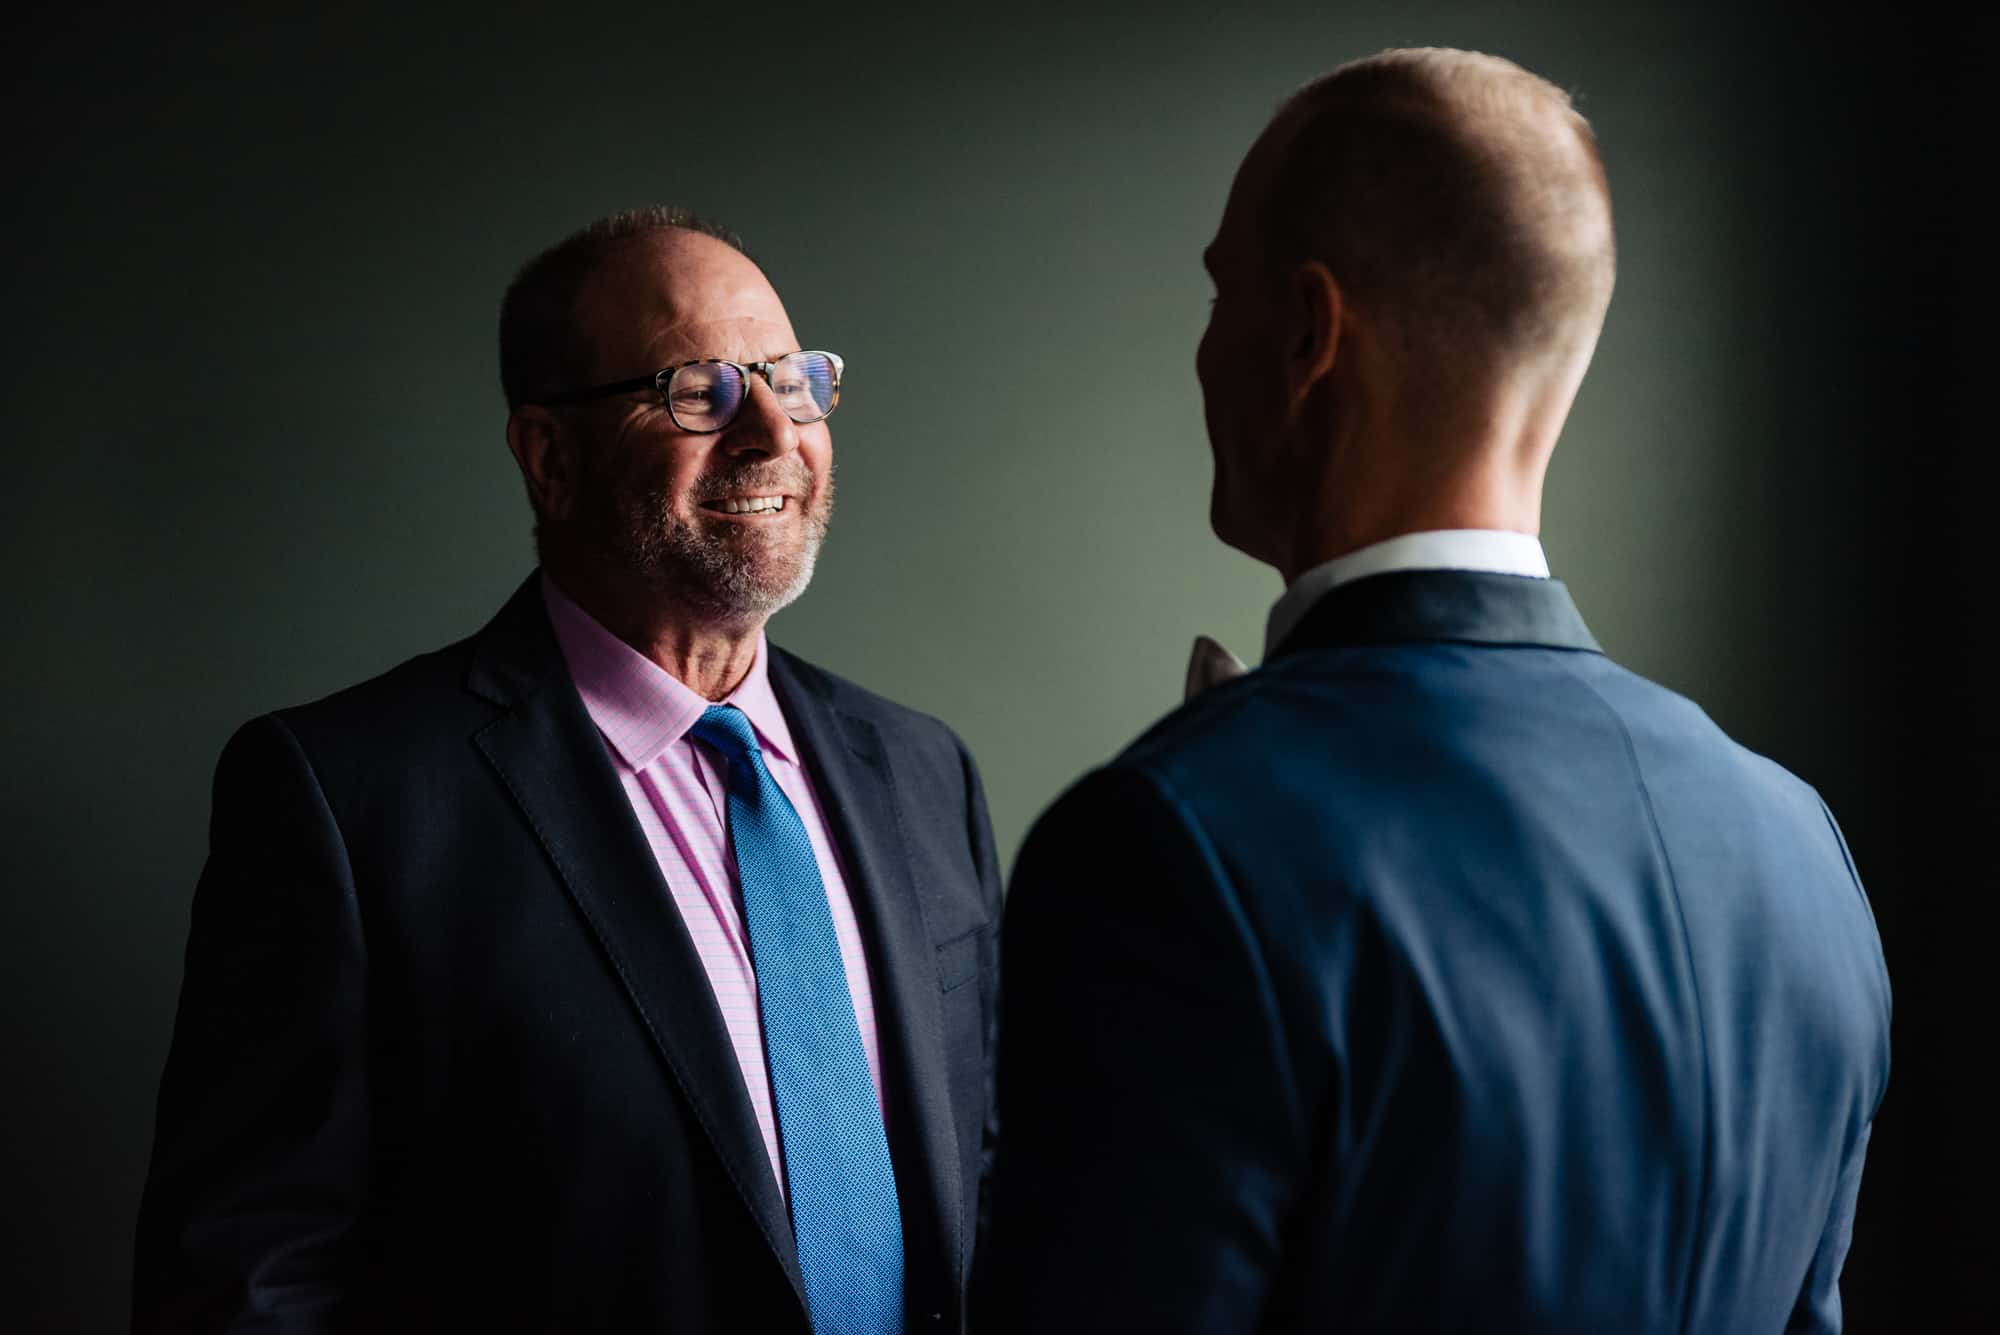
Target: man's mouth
[{"x": 744, "y": 505}]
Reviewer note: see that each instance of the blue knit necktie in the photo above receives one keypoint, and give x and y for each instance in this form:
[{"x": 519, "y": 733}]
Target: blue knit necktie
[{"x": 843, "y": 1188}]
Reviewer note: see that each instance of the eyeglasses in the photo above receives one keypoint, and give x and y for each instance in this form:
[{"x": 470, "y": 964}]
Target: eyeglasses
[{"x": 705, "y": 395}]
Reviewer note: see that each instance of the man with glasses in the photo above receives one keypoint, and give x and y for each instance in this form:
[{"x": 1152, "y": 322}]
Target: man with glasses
[
  {"x": 1440, "y": 974},
  {"x": 612, "y": 969}
]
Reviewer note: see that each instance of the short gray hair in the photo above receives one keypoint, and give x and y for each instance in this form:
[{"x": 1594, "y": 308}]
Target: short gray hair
[{"x": 542, "y": 349}]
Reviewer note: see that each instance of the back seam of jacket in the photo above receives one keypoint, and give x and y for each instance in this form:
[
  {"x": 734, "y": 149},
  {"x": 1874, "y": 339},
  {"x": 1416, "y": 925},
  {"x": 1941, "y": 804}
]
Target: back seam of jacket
[{"x": 1700, "y": 1019}]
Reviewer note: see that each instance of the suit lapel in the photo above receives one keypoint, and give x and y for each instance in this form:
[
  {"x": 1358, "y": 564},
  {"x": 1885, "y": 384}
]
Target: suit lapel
[
  {"x": 856, "y": 783},
  {"x": 549, "y": 754}
]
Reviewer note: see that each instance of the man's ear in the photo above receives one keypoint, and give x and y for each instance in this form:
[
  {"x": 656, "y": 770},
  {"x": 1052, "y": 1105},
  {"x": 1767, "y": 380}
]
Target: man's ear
[
  {"x": 546, "y": 454},
  {"x": 1314, "y": 344}
]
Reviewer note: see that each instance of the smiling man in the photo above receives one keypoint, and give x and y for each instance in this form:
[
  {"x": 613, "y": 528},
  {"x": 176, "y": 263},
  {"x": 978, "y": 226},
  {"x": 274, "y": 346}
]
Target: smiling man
[{"x": 611, "y": 969}]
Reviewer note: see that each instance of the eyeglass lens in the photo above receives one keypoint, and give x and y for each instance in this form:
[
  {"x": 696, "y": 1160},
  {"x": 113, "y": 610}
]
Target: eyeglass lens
[{"x": 707, "y": 395}]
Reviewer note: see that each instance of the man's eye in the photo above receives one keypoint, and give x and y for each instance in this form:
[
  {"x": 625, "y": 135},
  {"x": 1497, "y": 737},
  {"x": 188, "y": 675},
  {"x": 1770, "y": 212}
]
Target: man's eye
[{"x": 694, "y": 398}]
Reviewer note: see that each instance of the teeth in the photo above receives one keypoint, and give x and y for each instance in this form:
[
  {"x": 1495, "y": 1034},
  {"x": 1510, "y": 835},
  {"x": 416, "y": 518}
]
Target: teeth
[{"x": 750, "y": 505}]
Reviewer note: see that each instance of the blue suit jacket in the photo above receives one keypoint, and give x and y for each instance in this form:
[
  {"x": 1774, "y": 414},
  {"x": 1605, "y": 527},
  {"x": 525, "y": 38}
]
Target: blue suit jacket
[{"x": 1440, "y": 975}]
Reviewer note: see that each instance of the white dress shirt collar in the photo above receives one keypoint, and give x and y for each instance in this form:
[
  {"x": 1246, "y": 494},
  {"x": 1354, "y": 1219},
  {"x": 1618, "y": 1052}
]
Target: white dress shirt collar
[{"x": 1490, "y": 550}]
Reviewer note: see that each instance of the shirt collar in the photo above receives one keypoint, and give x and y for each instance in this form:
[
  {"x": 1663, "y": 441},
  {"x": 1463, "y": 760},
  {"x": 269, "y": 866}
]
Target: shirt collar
[
  {"x": 639, "y": 706},
  {"x": 1492, "y": 550}
]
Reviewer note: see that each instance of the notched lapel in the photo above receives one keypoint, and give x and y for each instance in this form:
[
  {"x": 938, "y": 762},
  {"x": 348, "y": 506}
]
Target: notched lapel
[
  {"x": 547, "y": 751},
  {"x": 855, "y": 778}
]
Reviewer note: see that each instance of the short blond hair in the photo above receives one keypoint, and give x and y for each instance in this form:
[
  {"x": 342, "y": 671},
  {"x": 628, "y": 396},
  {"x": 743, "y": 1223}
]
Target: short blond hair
[{"x": 1455, "y": 196}]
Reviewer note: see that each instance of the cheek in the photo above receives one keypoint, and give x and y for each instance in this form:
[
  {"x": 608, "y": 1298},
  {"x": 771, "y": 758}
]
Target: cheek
[
  {"x": 1218, "y": 364},
  {"x": 1205, "y": 376},
  {"x": 816, "y": 453},
  {"x": 626, "y": 457},
  {"x": 652, "y": 481},
  {"x": 667, "y": 467}
]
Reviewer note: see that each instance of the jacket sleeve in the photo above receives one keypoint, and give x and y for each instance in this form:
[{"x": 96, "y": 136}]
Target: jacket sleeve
[
  {"x": 1153, "y": 1141},
  {"x": 1818, "y": 1310},
  {"x": 250, "y": 1212}
]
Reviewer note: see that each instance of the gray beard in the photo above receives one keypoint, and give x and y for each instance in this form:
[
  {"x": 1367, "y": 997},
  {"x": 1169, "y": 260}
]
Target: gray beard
[{"x": 697, "y": 567}]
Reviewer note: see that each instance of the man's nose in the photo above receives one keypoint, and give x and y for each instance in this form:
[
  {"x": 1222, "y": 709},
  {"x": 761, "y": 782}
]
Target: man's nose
[{"x": 761, "y": 426}]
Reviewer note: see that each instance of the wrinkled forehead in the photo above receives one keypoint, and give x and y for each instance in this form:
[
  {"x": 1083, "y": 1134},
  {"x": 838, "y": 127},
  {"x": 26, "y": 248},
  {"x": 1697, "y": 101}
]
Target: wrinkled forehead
[{"x": 680, "y": 296}]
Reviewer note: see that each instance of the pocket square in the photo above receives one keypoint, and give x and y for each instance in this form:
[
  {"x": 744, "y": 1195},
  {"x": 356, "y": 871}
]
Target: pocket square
[{"x": 1210, "y": 665}]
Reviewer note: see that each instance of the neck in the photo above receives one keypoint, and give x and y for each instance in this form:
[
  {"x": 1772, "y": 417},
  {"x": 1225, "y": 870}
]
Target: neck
[
  {"x": 1389, "y": 474},
  {"x": 710, "y": 656},
  {"x": 1468, "y": 501}
]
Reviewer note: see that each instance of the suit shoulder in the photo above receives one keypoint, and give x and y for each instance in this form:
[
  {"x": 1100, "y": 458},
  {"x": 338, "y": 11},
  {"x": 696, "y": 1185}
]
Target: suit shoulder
[
  {"x": 413, "y": 688},
  {"x": 1165, "y": 785},
  {"x": 910, "y": 726},
  {"x": 1660, "y": 721},
  {"x": 1221, "y": 720},
  {"x": 361, "y": 740},
  {"x": 360, "y": 736}
]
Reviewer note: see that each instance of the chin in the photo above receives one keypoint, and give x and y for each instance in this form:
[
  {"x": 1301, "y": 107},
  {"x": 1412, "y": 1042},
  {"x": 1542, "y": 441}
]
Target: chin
[
  {"x": 1218, "y": 522},
  {"x": 767, "y": 591},
  {"x": 1255, "y": 541},
  {"x": 1223, "y": 519}
]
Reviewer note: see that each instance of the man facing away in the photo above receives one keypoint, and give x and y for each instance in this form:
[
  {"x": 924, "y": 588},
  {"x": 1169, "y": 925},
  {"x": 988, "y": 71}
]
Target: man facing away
[
  {"x": 612, "y": 969},
  {"x": 1440, "y": 974}
]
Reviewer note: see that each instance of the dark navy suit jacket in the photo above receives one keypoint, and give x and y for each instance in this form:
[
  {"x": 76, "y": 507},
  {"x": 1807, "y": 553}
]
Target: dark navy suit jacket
[
  {"x": 446, "y": 1058},
  {"x": 1441, "y": 975}
]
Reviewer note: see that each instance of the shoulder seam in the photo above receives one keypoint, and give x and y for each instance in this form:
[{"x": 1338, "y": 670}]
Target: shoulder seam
[{"x": 298, "y": 749}]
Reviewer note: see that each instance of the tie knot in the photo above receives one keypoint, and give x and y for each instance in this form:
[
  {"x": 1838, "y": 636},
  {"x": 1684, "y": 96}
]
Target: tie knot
[{"x": 728, "y": 730}]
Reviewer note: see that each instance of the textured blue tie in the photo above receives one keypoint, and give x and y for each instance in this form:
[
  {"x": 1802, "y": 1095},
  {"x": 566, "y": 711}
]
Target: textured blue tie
[{"x": 842, "y": 1185}]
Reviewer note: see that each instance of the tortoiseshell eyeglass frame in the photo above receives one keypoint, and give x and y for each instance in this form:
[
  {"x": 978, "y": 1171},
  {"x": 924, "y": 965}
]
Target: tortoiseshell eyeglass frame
[{"x": 661, "y": 381}]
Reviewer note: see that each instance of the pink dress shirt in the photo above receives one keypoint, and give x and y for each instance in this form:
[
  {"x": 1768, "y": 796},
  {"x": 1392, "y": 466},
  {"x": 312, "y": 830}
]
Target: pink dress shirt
[{"x": 676, "y": 790}]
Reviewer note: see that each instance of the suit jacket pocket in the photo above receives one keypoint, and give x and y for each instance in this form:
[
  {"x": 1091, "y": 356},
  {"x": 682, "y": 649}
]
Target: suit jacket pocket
[{"x": 958, "y": 960}]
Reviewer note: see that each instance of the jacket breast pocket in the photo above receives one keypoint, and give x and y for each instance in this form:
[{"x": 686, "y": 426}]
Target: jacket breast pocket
[{"x": 958, "y": 960}]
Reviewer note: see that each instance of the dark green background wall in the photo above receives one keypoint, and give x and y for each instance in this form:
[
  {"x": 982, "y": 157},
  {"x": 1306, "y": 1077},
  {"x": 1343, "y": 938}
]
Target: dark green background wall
[{"x": 254, "y": 450}]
